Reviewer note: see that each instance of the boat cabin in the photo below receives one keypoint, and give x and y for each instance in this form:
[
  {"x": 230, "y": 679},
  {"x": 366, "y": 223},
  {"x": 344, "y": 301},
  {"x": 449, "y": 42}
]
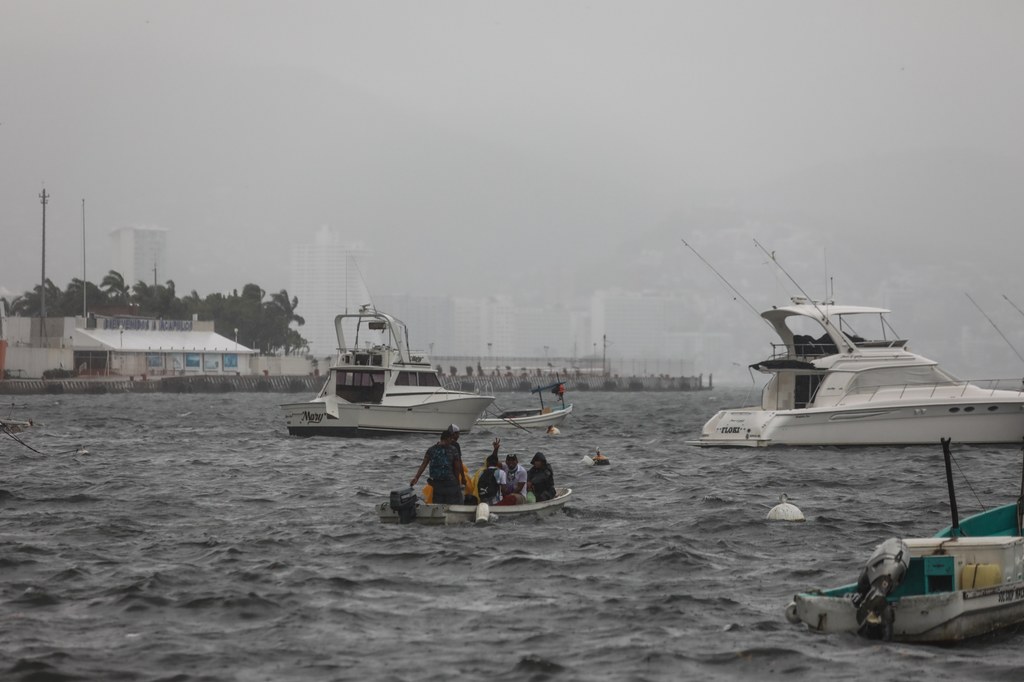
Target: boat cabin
[
  {"x": 829, "y": 353},
  {"x": 365, "y": 374}
]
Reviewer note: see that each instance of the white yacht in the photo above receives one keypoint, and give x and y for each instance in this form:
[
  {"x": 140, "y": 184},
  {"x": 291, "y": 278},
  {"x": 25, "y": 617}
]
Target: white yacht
[
  {"x": 378, "y": 387},
  {"x": 839, "y": 388}
]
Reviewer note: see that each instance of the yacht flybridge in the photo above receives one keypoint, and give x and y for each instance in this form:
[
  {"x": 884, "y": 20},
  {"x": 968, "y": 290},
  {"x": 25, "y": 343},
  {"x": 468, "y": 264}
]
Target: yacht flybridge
[
  {"x": 839, "y": 388},
  {"x": 378, "y": 387}
]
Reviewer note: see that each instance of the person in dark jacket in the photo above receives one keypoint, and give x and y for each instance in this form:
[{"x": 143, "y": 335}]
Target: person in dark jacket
[{"x": 540, "y": 479}]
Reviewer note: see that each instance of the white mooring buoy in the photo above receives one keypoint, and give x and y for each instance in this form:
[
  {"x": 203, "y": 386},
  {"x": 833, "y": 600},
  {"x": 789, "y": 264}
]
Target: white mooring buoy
[{"x": 785, "y": 511}]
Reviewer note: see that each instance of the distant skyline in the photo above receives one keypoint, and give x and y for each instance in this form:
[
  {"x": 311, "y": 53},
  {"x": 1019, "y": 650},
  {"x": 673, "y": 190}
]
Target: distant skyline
[{"x": 532, "y": 150}]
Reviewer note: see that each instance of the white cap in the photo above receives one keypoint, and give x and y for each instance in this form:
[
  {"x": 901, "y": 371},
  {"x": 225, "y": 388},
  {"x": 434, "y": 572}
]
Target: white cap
[{"x": 454, "y": 428}]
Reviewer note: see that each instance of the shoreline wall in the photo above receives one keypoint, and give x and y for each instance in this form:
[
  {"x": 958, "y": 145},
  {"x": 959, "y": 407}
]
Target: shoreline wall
[{"x": 312, "y": 384}]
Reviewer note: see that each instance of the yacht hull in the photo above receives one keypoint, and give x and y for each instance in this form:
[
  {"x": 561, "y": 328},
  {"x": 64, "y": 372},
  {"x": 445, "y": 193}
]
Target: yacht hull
[
  {"x": 983, "y": 422},
  {"x": 339, "y": 418}
]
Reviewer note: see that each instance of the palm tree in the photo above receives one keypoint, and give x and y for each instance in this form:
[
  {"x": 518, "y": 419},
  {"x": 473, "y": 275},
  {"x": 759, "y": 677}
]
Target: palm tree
[
  {"x": 114, "y": 285},
  {"x": 287, "y": 306},
  {"x": 281, "y": 311}
]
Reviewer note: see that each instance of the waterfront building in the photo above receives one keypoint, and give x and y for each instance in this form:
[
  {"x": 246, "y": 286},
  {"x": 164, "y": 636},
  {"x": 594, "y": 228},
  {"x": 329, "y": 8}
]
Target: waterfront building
[{"x": 121, "y": 347}]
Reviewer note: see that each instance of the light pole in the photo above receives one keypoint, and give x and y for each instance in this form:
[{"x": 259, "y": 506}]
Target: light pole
[{"x": 43, "y": 198}]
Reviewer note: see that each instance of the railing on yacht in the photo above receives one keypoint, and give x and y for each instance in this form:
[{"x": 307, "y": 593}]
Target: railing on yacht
[{"x": 979, "y": 388}]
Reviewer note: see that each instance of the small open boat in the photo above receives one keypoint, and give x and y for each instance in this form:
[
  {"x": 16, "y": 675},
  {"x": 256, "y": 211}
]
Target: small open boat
[
  {"x": 14, "y": 425},
  {"x": 966, "y": 581},
  {"x": 398, "y": 508},
  {"x": 537, "y": 418}
]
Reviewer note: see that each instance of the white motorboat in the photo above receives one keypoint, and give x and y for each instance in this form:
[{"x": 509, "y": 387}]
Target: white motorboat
[
  {"x": 404, "y": 507},
  {"x": 966, "y": 581},
  {"x": 535, "y": 418},
  {"x": 840, "y": 388},
  {"x": 378, "y": 387}
]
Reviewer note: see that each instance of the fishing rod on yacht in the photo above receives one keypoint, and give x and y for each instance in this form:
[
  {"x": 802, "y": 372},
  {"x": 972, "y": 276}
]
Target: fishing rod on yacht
[
  {"x": 994, "y": 326},
  {"x": 722, "y": 277},
  {"x": 771, "y": 255},
  {"x": 1013, "y": 304}
]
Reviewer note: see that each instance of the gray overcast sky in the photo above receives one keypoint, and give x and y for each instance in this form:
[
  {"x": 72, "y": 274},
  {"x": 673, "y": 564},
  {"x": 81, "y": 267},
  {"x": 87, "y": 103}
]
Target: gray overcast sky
[{"x": 486, "y": 147}]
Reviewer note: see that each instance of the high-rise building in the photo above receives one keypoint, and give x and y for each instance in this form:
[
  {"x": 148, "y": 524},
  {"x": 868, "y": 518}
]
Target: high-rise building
[
  {"x": 326, "y": 278},
  {"x": 140, "y": 254},
  {"x": 428, "y": 318}
]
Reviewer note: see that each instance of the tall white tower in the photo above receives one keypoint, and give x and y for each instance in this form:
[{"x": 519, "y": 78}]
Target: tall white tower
[
  {"x": 326, "y": 278},
  {"x": 140, "y": 253}
]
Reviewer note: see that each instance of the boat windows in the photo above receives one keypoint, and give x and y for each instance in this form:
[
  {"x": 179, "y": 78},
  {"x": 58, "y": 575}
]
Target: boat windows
[
  {"x": 360, "y": 387},
  {"x": 417, "y": 379},
  {"x": 925, "y": 375}
]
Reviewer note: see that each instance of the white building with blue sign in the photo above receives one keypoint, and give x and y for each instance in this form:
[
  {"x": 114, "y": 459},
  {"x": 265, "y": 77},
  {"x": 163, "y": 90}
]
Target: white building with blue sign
[{"x": 122, "y": 347}]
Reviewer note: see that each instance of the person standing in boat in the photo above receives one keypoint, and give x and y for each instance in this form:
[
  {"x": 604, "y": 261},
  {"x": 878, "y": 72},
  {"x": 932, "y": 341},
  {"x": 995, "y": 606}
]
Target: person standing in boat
[
  {"x": 514, "y": 491},
  {"x": 453, "y": 429},
  {"x": 446, "y": 475},
  {"x": 540, "y": 478}
]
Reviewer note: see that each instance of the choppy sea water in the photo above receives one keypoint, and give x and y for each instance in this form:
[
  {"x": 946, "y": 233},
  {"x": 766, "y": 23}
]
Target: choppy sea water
[{"x": 197, "y": 541}]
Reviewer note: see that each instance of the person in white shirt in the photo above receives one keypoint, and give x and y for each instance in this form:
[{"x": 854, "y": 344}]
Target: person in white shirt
[{"x": 514, "y": 491}]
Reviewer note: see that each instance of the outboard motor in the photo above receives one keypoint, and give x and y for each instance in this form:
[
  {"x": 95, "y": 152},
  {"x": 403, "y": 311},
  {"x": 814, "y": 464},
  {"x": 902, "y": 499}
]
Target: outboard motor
[
  {"x": 403, "y": 501},
  {"x": 883, "y": 573}
]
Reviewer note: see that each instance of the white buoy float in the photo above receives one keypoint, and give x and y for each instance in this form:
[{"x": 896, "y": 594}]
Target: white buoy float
[
  {"x": 785, "y": 511},
  {"x": 483, "y": 512}
]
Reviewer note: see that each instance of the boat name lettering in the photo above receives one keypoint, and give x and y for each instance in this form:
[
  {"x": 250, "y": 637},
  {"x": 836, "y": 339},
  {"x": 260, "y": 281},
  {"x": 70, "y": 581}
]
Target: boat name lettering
[
  {"x": 1011, "y": 595},
  {"x": 311, "y": 417},
  {"x": 730, "y": 429}
]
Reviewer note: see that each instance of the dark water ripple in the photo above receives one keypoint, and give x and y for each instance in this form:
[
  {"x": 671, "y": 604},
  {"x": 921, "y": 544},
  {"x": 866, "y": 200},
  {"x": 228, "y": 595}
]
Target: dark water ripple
[{"x": 188, "y": 538}]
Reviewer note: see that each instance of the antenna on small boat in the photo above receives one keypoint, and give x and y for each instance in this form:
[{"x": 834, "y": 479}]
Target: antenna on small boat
[
  {"x": 954, "y": 529},
  {"x": 994, "y": 326}
]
